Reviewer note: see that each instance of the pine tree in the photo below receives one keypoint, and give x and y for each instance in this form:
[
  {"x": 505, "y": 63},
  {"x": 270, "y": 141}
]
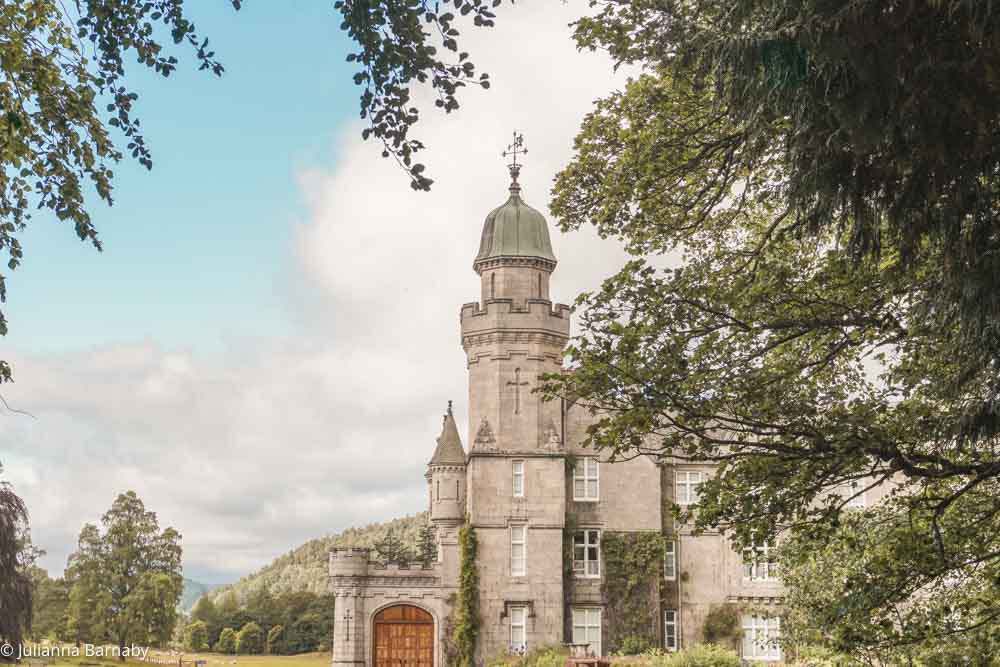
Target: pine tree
[
  {"x": 391, "y": 549},
  {"x": 427, "y": 548}
]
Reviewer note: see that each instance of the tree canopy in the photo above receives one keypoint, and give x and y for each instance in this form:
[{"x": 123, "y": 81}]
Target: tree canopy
[
  {"x": 16, "y": 559},
  {"x": 809, "y": 372},
  {"x": 126, "y": 579},
  {"x": 67, "y": 106}
]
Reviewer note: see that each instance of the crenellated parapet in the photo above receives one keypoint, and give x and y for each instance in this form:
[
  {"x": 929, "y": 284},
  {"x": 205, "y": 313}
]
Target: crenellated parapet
[
  {"x": 349, "y": 562},
  {"x": 504, "y": 320}
]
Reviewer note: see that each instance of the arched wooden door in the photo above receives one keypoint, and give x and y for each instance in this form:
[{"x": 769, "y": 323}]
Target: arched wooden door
[{"x": 404, "y": 637}]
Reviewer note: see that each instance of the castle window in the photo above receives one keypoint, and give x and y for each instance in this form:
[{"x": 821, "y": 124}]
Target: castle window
[
  {"x": 518, "y": 550},
  {"x": 518, "y": 473},
  {"x": 760, "y": 638},
  {"x": 759, "y": 564},
  {"x": 587, "y": 629},
  {"x": 687, "y": 487},
  {"x": 587, "y": 553},
  {"x": 518, "y": 630},
  {"x": 852, "y": 494},
  {"x": 586, "y": 480},
  {"x": 670, "y": 560},
  {"x": 670, "y": 629}
]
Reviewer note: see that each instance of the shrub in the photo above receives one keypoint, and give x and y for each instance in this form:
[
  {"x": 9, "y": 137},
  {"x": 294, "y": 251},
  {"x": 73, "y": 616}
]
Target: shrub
[
  {"x": 634, "y": 645},
  {"x": 705, "y": 655},
  {"x": 702, "y": 655},
  {"x": 227, "y": 642},
  {"x": 542, "y": 657},
  {"x": 250, "y": 640},
  {"x": 814, "y": 656}
]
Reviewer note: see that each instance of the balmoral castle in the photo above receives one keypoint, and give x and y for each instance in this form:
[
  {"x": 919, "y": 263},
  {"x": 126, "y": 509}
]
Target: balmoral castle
[{"x": 540, "y": 504}]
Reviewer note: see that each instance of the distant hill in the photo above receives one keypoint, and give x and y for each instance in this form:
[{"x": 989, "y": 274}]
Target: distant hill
[
  {"x": 193, "y": 590},
  {"x": 306, "y": 567}
]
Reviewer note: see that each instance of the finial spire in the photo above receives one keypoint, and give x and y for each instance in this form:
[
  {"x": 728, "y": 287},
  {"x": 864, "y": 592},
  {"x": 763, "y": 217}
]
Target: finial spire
[
  {"x": 449, "y": 407},
  {"x": 513, "y": 150}
]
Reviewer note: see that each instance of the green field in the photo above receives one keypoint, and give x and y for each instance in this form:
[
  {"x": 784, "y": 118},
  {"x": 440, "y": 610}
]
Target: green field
[
  {"x": 165, "y": 660},
  {"x": 303, "y": 660}
]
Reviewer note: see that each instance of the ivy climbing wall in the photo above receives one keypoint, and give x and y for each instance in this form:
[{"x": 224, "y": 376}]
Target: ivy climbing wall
[{"x": 632, "y": 589}]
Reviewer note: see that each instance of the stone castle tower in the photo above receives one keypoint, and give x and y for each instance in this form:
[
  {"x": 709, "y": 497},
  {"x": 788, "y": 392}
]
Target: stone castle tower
[{"x": 512, "y": 337}]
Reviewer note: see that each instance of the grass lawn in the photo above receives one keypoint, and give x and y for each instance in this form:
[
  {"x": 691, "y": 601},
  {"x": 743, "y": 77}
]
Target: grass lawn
[{"x": 303, "y": 660}]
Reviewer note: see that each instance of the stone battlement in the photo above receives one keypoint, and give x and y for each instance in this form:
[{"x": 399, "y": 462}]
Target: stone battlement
[
  {"x": 349, "y": 562},
  {"x": 535, "y": 315},
  {"x": 357, "y": 562},
  {"x": 401, "y": 569}
]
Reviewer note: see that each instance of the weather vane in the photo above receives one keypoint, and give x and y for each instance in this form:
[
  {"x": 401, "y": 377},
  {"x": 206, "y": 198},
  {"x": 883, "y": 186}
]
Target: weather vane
[{"x": 513, "y": 150}]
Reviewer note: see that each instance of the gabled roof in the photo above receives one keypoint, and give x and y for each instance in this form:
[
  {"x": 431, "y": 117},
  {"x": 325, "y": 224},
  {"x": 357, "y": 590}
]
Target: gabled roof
[{"x": 449, "y": 449}]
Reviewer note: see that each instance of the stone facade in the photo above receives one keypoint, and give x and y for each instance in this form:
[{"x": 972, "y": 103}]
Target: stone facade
[{"x": 525, "y": 478}]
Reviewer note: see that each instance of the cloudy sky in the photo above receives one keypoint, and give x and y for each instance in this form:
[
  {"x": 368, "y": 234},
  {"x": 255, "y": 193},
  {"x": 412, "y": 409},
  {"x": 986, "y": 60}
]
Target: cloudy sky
[{"x": 265, "y": 347}]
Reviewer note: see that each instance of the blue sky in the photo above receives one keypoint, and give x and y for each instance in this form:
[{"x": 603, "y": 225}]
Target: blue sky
[
  {"x": 199, "y": 246},
  {"x": 265, "y": 347}
]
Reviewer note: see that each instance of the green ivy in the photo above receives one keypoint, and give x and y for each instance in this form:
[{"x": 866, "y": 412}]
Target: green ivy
[
  {"x": 467, "y": 621},
  {"x": 722, "y": 625},
  {"x": 633, "y": 576},
  {"x": 568, "y": 578}
]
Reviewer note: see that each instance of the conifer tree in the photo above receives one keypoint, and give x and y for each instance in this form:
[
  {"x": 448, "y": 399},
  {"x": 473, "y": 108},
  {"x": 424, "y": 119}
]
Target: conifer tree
[
  {"x": 427, "y": 548},
  {"x": 392, "y": 549}
]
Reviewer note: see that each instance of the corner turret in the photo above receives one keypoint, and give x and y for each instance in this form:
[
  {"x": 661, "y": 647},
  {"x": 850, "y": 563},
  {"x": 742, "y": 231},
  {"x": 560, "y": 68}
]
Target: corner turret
[{"x": 446, "y": 474}]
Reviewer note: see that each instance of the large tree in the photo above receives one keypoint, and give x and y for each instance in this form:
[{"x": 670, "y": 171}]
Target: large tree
[
  {"x": 126, "y": 577},
  {"x": 808, "y": 372},
  {"x": 206, "y": 612},
  {"x": 49, "y": 607},
  {"x": 15, "y": 564}
]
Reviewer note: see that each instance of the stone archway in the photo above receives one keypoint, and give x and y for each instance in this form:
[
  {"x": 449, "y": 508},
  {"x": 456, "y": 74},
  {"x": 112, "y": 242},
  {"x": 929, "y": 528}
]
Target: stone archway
[{"x": 403, "y": 636}]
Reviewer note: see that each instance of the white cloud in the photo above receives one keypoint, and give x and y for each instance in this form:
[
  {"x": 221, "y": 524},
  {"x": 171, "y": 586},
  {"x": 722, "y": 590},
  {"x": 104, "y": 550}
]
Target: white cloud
[{"x": 283, "y": 440}]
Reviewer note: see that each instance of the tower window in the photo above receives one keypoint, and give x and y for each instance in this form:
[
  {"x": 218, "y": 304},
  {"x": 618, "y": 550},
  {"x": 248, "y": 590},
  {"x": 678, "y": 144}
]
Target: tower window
[
  {"x": 539, "y": 286},
  {"x": 518, "y": 550},
  {"x": 493, "y": 285},
  {"x": 518, "y": 474},
  {"x": 586, "y": 480}
]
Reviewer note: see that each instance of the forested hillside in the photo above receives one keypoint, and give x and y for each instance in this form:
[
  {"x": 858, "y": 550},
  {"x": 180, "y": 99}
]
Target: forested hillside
[
  {"x": 193, "y": 590},
  {"x": 304, "y": 569}
]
